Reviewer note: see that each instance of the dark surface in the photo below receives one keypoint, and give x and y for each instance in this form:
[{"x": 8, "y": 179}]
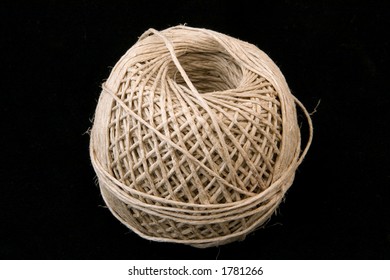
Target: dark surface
[{"x": 54, "y": 56}]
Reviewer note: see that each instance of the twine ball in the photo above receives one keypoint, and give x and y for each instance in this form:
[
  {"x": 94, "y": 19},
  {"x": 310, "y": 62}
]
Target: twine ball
[{"x": 195, "y": 137}]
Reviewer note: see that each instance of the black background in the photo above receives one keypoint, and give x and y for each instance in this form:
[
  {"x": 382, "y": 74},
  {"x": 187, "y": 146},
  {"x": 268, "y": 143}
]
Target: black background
[{"x": 55, "y": 55}]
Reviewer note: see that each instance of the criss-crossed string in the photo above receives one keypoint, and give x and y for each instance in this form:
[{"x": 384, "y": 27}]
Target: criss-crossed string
[{"x": 196, "y": 167}]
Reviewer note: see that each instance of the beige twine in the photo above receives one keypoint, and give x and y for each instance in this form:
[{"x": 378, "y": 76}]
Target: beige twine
[{"x": 195, "y": 138}]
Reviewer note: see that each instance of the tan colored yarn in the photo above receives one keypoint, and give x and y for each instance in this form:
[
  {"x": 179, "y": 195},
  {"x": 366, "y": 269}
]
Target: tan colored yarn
[{"x": 195, "y": 138}]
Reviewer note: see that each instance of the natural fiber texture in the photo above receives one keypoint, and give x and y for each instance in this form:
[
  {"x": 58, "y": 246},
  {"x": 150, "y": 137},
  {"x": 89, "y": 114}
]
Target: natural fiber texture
[{"x": 195, "y": 138}]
